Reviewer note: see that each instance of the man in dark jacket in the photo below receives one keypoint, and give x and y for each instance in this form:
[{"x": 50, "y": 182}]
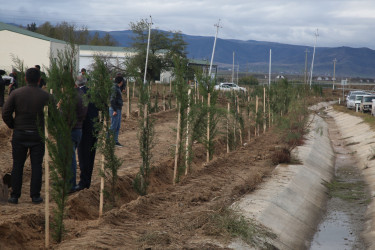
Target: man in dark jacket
[
  {"x": 14, "y": 84},
  {"x": 86, "y": 149},
  {"x": 27, "y": 103},
  {"x": 115, "y": 109},
  {"x": 43, "y": 77},
  {"x": 2, "y": 88},
  {"x": 76, "y": 133}
]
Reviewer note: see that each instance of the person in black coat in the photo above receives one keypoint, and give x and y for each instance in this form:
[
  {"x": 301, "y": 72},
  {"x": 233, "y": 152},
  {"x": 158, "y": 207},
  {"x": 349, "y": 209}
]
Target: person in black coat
[
  {"x": 2, "y": 88},
  {"x": 86, "y": 148},
  {"x": 13, "y": 85},
  {"x": 23, "y": 112}
]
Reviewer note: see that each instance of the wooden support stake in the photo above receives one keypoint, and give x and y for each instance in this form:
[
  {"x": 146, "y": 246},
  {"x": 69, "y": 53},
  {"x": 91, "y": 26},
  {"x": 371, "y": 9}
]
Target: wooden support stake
[
  {"x": 248, "y": 100},
  {"x": 197, "y": 99},
  {"x": 177, "y": 145},
  {"x": 238, "y": 112},
  {"x": 208, "y": 126},
  {"x": 128, "y": 97},
  {"x": 234, "y": 123},
  {"x": 264, "y": 111},
  {"x": 157, "y": 98},
  {"x": 269, "y": 111},
  {"x": 46, "y": 166},
  {"x": 101, "y": 198},
  {"x": 256, "y": 115},
  {"x": 195, "y": 92},
  {"x": 187, "y": 136},
  {"x": 133, "y": 89},
  {"x": 145, "y": 114},
  {"x": 228, "y": 128},
  {"x": 164, "y": 108}
]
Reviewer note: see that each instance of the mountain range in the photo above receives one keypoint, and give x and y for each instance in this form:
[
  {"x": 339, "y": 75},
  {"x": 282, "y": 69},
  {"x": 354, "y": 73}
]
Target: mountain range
[{"x": 253, "y": 56}]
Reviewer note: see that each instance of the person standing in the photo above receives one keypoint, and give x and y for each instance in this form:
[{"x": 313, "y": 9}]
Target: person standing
[
  {"x": 14, "y": 84},
  {"x": 84, "y": 74},
  {"x": 43, "y": 77},
  {"x": 2, "y": 88},
  {"x": 86, "y": 148},
  {"x": 27, "y": 103},
  {"x": 76, "y": 133},
  {"x": 115, "y": 109}
]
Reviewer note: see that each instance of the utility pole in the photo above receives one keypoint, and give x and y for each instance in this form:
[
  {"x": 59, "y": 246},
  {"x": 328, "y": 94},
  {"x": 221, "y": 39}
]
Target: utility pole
[
  {"x": 213, "y": 50},
  {"x": 312, "y": 63},
  {"x": 148, "y": 48},
  {"x": 269, "y": 70},
  {"x": 306, "y": 51},
  {"x": 334, "y": 74},
  {"x": 233, "y": 69},
  {"x": 238, "y": 69}
]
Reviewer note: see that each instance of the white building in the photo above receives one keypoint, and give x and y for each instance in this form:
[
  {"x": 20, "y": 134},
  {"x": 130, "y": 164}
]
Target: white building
[
  {"x": 116, "y": 56},
  {"x": 29, "y": 47},
  {"x": 32, "y": 48}
]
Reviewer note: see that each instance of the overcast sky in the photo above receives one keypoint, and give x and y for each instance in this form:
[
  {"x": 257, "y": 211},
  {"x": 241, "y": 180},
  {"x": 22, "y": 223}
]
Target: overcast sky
[{"x": 340, "y": 22}]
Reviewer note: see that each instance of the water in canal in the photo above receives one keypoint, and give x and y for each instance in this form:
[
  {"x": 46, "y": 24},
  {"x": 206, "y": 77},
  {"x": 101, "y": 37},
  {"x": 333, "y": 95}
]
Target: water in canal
[{"x": 343, "y": 221}]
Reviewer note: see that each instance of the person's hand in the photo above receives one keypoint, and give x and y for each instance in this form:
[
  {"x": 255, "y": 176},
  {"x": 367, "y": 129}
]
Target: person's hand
[
  {"x": 59, "y": 104},
  {"x": 114, "y": 113}
]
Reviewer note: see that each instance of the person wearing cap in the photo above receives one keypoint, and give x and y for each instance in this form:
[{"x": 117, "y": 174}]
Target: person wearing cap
[
  {"x": 86, "y": 148},
  {"x": 23, "y": 112},
  {"x": 115, "y": 109}
]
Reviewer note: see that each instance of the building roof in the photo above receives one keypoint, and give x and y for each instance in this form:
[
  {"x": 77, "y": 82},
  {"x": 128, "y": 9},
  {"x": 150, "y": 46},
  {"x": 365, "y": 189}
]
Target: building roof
[
  {"x": 106, "y": 48},
  {"x": 201, "y": 62},
  {"x": 16, "y": 29}
]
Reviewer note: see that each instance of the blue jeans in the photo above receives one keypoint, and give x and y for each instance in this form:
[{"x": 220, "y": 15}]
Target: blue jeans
[
  {"x": 115, "y": 123},
  {"x": 76, "y": 136}
]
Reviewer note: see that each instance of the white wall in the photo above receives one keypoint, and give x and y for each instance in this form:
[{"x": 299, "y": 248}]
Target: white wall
[
  {"x": 28, "y": 49},
  {"x": 56, "y": 48},
  {"x": 86, "y": 57}
]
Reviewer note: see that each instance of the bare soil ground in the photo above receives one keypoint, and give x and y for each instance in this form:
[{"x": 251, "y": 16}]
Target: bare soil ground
[{"x": 169, "y": 217}]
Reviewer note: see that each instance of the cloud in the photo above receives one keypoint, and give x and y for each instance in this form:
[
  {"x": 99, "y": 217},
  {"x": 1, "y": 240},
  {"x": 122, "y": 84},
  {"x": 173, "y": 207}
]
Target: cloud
[{"x": 340, "y": 22}]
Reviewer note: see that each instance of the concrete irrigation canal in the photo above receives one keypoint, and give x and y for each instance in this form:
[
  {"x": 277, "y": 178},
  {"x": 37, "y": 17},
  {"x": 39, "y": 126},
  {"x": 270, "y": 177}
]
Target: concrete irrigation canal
[{"x": 325, "y": 201}]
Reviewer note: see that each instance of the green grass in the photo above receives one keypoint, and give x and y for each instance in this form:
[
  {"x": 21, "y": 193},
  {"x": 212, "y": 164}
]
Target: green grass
[
  {"x": 348, "y": 191},
  {"x": 230, "y": 223},
  {"x": 367, "y": 118}
]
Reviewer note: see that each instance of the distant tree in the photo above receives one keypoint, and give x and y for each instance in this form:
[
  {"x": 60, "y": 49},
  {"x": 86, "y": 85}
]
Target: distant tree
[
  {"x": 95, "y": 40},
  {"x": 248, "y": 80},
  {"x": 70, "y": 33},
  {"x": 108, "y": 40},
  {"x": 163, "y": 46},
  {"x": 46, "y": 29},
  {"x": 31, "y": 27}
]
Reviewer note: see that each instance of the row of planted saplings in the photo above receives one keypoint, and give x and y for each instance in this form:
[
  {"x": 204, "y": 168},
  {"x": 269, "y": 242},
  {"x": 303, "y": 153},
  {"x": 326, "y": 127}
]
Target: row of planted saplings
[
  {"x": 199, "y": 119},
  {"x": 204, "y": 121}
]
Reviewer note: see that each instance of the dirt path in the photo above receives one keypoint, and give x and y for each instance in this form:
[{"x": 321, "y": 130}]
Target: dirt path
[{"x": 343, "y": 223}]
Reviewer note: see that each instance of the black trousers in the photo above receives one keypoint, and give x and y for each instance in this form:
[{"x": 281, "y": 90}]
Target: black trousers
[
  {"x": 86, "y": 154},
  {"x": 2, "y": 89},
  {"x": 23, "y": 141}
]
